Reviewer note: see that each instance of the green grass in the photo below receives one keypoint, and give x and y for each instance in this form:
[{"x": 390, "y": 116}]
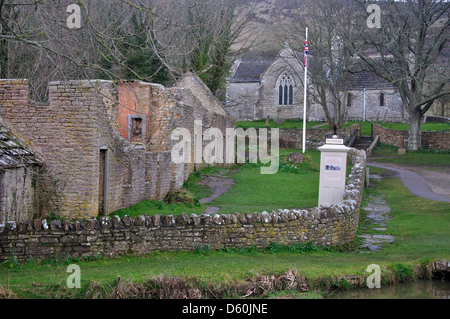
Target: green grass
[
  {"x": 291, "y": 187},
  {"x": 254, "y": 192},
  {"x": 297, "y": 124},
  {"x": 366, "y": 127},
  {"x": 389, "y": 154},
  {"x": 433, "y": 127}
]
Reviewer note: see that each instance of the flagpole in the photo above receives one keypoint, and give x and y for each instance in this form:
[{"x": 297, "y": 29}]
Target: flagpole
[{"x": 304, "y": 97}]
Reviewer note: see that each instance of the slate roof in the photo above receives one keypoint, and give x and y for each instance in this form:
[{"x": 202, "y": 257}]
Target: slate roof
[
  {"x": 367, "y": 80},
  {"x": 12, "y": 152},
  {"x": 251, "y": 70}
]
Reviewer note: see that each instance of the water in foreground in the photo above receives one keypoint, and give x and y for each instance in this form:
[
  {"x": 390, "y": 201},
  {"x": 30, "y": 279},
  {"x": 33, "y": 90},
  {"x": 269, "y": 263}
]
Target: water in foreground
[{"x": 420, "y": 289}]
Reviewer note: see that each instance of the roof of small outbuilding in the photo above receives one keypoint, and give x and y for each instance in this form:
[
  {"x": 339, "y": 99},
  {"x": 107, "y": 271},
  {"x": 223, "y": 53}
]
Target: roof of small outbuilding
[
  {"x": 251, "y": 70},
  {"x": 13, "y": 153}
]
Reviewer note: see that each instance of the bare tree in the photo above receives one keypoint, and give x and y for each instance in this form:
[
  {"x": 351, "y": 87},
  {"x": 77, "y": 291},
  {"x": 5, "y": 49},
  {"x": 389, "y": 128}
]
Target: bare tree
[
  {"x": 410, "y": 44},
  {"x": 331, "y": 60},
  {"x": 151, "y": 40}
]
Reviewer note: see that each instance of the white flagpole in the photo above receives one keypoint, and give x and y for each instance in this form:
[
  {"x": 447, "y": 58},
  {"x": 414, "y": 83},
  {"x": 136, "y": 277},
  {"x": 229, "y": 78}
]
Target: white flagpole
[{"x": 304, "y": 98}]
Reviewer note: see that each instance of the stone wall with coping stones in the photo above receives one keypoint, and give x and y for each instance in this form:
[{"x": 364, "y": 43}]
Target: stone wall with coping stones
[
  {"x": 325, "y": 225},
  {"x": 439, "y": 141}
]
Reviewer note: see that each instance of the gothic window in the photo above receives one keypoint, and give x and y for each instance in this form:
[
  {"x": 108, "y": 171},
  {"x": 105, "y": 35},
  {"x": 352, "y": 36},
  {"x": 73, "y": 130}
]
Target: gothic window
[
  {"x": 382, "y": 102},
  {"x": 285, "y": 86}
]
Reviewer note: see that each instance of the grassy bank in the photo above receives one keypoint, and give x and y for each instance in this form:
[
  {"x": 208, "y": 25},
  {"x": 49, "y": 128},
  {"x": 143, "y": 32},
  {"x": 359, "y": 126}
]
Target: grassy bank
[{"x": 420, "y": 226}]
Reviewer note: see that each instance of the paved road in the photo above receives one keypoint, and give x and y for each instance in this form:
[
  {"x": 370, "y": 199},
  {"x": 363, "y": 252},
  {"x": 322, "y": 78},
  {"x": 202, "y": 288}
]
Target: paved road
[{"x": 414, "y": 182}]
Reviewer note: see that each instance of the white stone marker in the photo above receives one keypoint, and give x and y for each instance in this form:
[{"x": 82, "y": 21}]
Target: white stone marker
[{"x": 333, "y": 171}]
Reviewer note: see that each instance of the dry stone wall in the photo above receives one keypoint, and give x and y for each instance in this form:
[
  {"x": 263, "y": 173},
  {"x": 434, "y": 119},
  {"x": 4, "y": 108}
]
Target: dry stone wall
[
  {"x": 439, "y": 141},
  {"x": 293, "y": 138},
  {"x": 324, "y": 225}
]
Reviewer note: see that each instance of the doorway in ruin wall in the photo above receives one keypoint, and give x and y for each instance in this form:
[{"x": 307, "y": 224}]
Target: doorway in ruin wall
[
  {"x": 103, "y": 182},
  {"x": 2, "y": 196}
]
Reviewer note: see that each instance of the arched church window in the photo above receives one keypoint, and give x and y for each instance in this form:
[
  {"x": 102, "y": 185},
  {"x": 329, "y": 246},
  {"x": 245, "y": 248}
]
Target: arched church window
[
  {"x": 285, "y": 86},
  {"x": 382, "y": 102}
]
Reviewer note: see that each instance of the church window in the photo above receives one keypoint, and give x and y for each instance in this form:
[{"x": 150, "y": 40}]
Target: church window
[
  {"x": 280, "y": 95},
  {"x": 285, "y": 86},
  {"x": 291, "y": 94},
  {"x": 382, "y": 101}
]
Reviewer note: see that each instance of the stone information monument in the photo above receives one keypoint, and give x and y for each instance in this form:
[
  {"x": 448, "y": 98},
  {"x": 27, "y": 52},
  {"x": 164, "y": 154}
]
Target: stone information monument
[{"x": 333, "y": 171}]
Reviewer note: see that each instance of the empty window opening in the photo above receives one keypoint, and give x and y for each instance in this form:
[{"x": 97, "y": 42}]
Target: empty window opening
[{"x": 136, "y": 129}]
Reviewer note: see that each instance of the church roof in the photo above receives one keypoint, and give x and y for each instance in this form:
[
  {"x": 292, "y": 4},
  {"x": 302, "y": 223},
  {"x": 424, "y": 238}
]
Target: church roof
[
  {"x": 12, "y": 152},
  {"x": 251, "y": 70},
  {"x": 367, "y": 80}
]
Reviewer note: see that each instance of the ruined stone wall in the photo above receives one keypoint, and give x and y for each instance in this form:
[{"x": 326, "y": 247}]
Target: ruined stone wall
[
  {"x": 64, "y": 131},
  {"x": 439, "y": 141},
  {"x": 209, "y": 119},
  {"x": 83, "y": 131},
  {"x": 17, "y": 193},
  {"x": 325, "y": 225},
  {"x": 70, "y": 132}
]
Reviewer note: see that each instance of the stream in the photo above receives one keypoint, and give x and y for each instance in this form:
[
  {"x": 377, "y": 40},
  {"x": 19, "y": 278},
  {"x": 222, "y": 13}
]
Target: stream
[{"x": 420, "y": 289}]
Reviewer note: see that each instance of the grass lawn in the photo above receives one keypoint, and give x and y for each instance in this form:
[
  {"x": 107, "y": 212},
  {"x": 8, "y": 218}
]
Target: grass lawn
[
  {"x": 253, "y": 192},
  {"x": 389, "y": 154},
  {"x": 421, "y": 227},
  {"x": 433, "y": 127},
  {"x": 298, "y": 124},
  {"x": 366, "y": 127}
]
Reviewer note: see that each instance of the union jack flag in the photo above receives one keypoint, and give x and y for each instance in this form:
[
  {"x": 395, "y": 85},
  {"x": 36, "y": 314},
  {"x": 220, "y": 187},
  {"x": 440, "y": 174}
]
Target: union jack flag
[{"x": 306, "y": 53}]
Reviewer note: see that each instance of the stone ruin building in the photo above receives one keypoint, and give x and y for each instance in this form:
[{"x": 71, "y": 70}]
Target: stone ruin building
[{"x": 96, "y": 146}]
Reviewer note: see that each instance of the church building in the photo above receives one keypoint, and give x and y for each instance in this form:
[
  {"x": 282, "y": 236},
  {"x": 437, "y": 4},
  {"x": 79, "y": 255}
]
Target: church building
[{"x": 261, "y": 88}]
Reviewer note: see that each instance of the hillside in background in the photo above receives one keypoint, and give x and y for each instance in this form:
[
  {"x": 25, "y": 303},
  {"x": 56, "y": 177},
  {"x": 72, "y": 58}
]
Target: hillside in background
[{"x": 267, "y": 28}]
